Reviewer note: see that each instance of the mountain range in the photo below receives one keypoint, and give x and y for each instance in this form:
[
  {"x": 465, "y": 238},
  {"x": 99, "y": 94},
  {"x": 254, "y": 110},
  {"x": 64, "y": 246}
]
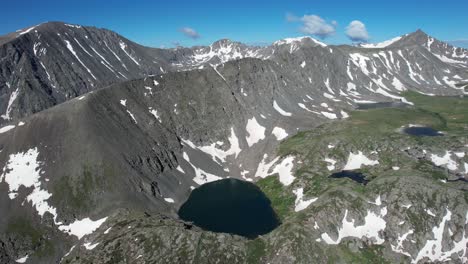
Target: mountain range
[{"x": 100, "y": 133}]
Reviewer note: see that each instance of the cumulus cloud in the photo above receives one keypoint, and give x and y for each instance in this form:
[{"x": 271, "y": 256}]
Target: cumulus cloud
[
  {"x": 314, "y": 25},
  {"x": 357, "y": 32},
  {"x": 190, "y": 32}
]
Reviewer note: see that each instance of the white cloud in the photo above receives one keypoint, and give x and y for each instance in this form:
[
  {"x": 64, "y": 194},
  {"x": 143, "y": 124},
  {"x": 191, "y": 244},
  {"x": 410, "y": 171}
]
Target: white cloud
[
  {"x": 314, "y": 25},
  {"x": 356, "y": 31},
  {"x": 190, "y": 32}
]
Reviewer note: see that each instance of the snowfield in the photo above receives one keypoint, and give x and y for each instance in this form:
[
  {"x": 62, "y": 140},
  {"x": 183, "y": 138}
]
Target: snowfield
[
  {"x": 374, "y": 223},
  {"x": 356, "y": 161},
  {"x": 255, "y": 132},
  {"x": 83, "y": 227},
  {"x": 284, "y": 169}
]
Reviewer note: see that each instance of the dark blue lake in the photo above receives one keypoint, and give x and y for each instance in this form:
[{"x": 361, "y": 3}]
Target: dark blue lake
[
  {"x": 353, "y": 175},
  {"x": 422, "y": 131},
  {"x": 230, "y": 206}
]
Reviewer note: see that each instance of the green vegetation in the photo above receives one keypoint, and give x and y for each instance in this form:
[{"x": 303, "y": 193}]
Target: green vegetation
[
  {"x": 282, "y": 200},
  {"x": 21, "y": 227},
  {"x": 376, "y": 130},
  {"x": 78, "y": 192},
  {"x": 368, "y": 255},
  {"x": 379, "y": 130},
  {"x": 453, "y": 110},
  {"x": 255, "y": 250}
]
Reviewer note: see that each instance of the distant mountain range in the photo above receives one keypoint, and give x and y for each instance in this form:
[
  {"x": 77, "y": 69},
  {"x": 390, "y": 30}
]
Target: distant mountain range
[{"x": 53, "y": 62}]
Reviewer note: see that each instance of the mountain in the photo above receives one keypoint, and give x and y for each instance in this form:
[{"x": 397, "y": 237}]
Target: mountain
[
  {"x": 108, "y": 166},
  {"x": 53, "y": 62}
]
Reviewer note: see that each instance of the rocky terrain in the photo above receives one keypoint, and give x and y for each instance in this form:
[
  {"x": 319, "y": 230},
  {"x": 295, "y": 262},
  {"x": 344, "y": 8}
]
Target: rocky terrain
[{"x": 103, "y": 140}]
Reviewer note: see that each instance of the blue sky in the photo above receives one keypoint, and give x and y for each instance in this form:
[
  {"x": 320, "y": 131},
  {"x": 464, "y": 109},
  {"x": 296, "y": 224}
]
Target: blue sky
[{"x": 160, "y": 23}]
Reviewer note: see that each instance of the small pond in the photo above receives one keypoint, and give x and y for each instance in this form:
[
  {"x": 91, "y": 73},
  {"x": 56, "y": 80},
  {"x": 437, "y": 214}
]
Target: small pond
[
  {"x": 353, "y": 175},
  {"x": 230, "y": 206},
  {"x": 422, "y": 131}
]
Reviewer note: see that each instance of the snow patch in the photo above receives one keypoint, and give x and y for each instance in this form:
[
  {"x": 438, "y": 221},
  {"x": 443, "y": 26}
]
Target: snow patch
[
  {"x": 201, "y": 176},
  {"x": 23, "y": 169},
  {"x": 255, "y": 131},
  {"x": 331, "y": 163},
  {"x": 83, "y": 227},
  {"x": 279, "y": 133},
  {"x": 381, "y": 44},
  {"x": 6, "y": 128},
  {"x": 436, "y": 251},
  {"x": 90, "y": 246},
  {"x": 398, "y": 85},
  {"x": 355, "y": 161},
  {"x": 169, "y": 200},
  {"x": 445, "y": 160},
  {"x": 399, "y": 247},
  {"x": 329, "y": 115},
  {"x": 219, "y": 155},
  {"x": 22, "y": 260},
  {"x": 154, "y": 112},
  {"x": 344, "y": 114},
  {"x": 179, "y": 168},
  {"x": 373, "y": 224},
  {"x": 284, "y": 169},
  {"x": 301, "y": 204}
]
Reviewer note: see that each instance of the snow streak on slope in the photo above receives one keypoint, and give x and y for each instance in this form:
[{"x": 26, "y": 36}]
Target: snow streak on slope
[
  {"x": 280, "y": 110},
  {"x": 123, "y": 46}
]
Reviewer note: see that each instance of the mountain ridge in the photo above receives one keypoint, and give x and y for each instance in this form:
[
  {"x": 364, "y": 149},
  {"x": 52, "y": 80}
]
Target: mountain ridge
[{"x": 119, "y": 59}]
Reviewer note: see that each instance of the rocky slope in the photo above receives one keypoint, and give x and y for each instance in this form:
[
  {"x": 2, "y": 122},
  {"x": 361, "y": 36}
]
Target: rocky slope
[{"x": 208, "y": 113}]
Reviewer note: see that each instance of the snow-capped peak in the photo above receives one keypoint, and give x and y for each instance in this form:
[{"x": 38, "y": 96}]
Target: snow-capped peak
[
  {"x": 298, "y": 39},
  {"x": 382, "y": 44}
]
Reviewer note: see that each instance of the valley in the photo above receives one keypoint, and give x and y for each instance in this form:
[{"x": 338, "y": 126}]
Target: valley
[{"x": 103, "y": 141}]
